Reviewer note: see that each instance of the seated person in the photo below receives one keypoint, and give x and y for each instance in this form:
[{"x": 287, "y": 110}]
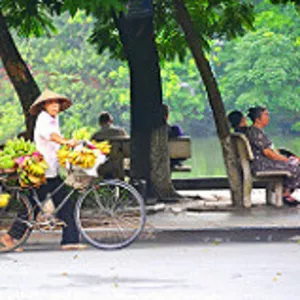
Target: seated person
[
  {"x": 107, "y": 128},
  {"x": 237, "y": 121},
  {"x": 113, "y": 167},
  {"x": 268, "y": 159},
  {"x": 173, "y": 132}
]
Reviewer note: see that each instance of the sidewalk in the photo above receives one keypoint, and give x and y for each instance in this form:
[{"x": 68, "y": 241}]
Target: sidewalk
[{"x": 211, "y": 219}]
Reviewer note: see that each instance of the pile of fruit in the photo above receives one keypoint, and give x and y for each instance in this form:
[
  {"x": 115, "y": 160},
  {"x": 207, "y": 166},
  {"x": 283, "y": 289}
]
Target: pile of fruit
[
  {"x": 21, "y": 156},
  {"x": 82, "y": 134},
  {"x": 13, "y": 149},
  {"x": 83, "y": 156},
  {"x": 4, "y": 198},
  {"x": 32, "y": 170}
]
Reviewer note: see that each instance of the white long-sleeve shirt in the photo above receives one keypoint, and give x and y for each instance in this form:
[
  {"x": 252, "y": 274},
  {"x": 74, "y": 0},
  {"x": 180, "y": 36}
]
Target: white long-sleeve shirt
[{"x": 44, "y": 127}]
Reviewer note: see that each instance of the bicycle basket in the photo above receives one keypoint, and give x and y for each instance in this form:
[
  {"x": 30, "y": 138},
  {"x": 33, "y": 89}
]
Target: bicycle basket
[{"x": 78, "y": 179}]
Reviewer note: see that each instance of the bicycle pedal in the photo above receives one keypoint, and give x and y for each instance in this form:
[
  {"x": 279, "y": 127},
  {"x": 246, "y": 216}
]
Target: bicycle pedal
[{"x": 61, "y": 223}]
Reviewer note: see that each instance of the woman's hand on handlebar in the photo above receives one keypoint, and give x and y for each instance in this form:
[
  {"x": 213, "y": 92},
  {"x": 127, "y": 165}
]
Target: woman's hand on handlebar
[{"x": 72, "y": 143}]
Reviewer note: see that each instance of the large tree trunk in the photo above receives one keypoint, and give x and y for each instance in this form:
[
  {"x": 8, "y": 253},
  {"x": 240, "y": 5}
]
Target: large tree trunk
[
  {"x": 149, "y": 147},
  {"x": 19, "y": 74},
  {"x": 215, "y": 100}
]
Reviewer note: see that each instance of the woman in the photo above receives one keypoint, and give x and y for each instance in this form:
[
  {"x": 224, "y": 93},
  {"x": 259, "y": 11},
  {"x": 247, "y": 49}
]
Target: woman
[
  {"x": 48, "y": 139},
  {"x": 237, "y": 121},
  {"x": 267, "y": 158}
]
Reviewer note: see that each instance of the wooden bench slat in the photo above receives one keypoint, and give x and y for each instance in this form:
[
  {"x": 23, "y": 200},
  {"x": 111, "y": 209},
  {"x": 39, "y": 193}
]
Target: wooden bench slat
[
  {"x": 179, "y": 148},
  {"x": 183, "y": 168},
  {"x": 272, "y": 173}
]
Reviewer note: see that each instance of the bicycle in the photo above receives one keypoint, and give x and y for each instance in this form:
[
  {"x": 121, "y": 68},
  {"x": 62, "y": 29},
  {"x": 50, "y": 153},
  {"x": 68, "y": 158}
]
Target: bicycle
[{"x": 109, "y": 214}]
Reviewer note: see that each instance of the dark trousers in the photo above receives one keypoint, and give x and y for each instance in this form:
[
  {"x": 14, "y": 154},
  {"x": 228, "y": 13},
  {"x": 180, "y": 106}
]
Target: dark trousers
[{"x": 70, "y": 233}]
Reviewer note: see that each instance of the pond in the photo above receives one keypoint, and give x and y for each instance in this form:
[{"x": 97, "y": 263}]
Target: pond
[{"x": 207, "y": 160}]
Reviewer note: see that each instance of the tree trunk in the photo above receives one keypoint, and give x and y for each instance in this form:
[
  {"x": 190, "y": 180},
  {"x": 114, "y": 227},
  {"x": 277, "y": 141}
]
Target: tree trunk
[
  {"x": 215, "y": 100},
  {"x": 19, "y": 74},
  {"x": 149, "y": 141}
]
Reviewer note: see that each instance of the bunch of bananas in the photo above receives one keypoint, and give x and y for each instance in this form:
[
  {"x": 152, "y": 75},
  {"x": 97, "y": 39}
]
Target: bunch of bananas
[
  {"x": 6, "y": 161},
  {"x": 32, "y": 171},
  {"x": 104, "y": 146},
  {"x": 18, "y": 147},
  {"x": 84, "y": 158},
  {"x": 81, "y": 134},
  {"x": 63, "y": 155},
  {"x": 13, "y": 149},
  {"x": 4, "y": 199}
]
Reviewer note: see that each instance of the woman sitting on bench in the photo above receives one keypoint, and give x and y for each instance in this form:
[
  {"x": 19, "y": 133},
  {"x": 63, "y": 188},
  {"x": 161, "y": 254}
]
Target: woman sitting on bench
[
  {"x": 238, "y": 122},
  {"x": 266, "y": 158}
]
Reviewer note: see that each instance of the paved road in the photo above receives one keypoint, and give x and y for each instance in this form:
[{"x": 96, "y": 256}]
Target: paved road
[{"x": 155, "y": 271}]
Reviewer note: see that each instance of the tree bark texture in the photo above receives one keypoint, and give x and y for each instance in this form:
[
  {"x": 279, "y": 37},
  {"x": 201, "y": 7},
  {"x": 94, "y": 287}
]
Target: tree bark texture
[
  {"x": 215, "y": 100},
  {"x": 149, "y": 147},
  {"x": 19, "y": 74}
]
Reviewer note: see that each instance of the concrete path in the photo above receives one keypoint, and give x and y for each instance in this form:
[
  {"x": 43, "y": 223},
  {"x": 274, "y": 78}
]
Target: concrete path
[{"x": 156, "y": 271}]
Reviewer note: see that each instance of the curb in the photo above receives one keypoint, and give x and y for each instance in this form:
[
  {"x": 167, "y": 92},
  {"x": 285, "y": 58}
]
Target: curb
[
  {"x": 227, "y": 235},
  {"x": 192, "y": 235}
]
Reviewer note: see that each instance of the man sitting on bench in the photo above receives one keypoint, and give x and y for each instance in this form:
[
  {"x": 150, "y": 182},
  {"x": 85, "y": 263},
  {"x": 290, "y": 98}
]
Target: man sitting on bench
[{"x": 112, "y": 168}]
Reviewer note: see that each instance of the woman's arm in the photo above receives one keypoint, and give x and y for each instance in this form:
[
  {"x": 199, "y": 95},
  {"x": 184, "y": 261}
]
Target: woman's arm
[
  {"x": 271, "y": 154},
  {"x": 61, "y": 140}
]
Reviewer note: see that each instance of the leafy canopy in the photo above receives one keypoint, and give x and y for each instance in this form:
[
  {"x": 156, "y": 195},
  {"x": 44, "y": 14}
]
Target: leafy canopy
[{"x": 222, "y": 19}]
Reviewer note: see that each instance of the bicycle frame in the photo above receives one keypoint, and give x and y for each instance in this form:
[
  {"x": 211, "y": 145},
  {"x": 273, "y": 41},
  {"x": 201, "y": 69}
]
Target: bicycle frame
[
  {"x": 49, "y": 196},
  {"x": 34, "y": 195}
]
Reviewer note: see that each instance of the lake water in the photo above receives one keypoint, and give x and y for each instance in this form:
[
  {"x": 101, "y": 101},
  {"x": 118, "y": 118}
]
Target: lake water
[{"x": 207, "y": 158}]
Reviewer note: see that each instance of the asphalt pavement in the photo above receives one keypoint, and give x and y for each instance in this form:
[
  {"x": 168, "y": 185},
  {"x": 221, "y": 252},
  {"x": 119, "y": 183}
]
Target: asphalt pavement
[{"x": 219, "y": 271}]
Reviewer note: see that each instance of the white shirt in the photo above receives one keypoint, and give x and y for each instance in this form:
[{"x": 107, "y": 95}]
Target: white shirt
[{"x": 44, "y": 127}]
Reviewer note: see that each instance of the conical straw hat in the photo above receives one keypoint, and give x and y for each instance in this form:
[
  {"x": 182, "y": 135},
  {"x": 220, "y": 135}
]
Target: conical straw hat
[{"x": 46, "y": 95}]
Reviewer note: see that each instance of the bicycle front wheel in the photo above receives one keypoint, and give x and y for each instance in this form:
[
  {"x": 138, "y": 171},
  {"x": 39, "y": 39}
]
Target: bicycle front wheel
[
  {"x": 15, "y": 220},
  {"x": 110, "y": 215}
]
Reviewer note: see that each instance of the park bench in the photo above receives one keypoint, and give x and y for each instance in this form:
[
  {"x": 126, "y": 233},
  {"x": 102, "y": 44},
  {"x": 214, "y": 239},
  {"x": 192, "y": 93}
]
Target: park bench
[
  {"x": 179, "y": 148},
  {"x": 273, "y": 179}
]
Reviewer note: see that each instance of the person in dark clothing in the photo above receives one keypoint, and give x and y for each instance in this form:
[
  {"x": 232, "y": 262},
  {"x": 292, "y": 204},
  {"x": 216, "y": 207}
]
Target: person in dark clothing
[
  {"x": 114, "y": 166},
  {"x": 174, "y": 131},
  {"x": 237, "y": 121},
  {"x": 107, "y": 128},
  {"x": 267, "y": 158}
]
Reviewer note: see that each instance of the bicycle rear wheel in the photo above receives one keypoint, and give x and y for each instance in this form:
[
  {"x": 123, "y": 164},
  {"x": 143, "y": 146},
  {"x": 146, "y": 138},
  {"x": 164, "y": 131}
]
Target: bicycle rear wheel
[
  {"x": 15, "y": 218},
  {"x": 110, "y": 215}
]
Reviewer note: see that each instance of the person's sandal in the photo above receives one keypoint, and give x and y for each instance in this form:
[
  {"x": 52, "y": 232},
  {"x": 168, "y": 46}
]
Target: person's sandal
[
  {"x": 74, "y": 247},
  {"x": 9, "y": 243}
]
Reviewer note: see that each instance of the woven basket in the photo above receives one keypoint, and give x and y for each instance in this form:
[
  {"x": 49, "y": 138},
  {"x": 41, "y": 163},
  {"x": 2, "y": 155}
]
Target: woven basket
[{"x": 78, "y": 179}]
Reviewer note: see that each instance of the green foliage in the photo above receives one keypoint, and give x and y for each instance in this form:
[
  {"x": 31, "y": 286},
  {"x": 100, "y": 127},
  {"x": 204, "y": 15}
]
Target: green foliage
[
  {"x": 31, "y": 17},
  {"x": 296, "y": 127},
  {"x": 260, "y": 68},
  {"x": 35, "y": 17},
  {"x": 212, "y": 19}
]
